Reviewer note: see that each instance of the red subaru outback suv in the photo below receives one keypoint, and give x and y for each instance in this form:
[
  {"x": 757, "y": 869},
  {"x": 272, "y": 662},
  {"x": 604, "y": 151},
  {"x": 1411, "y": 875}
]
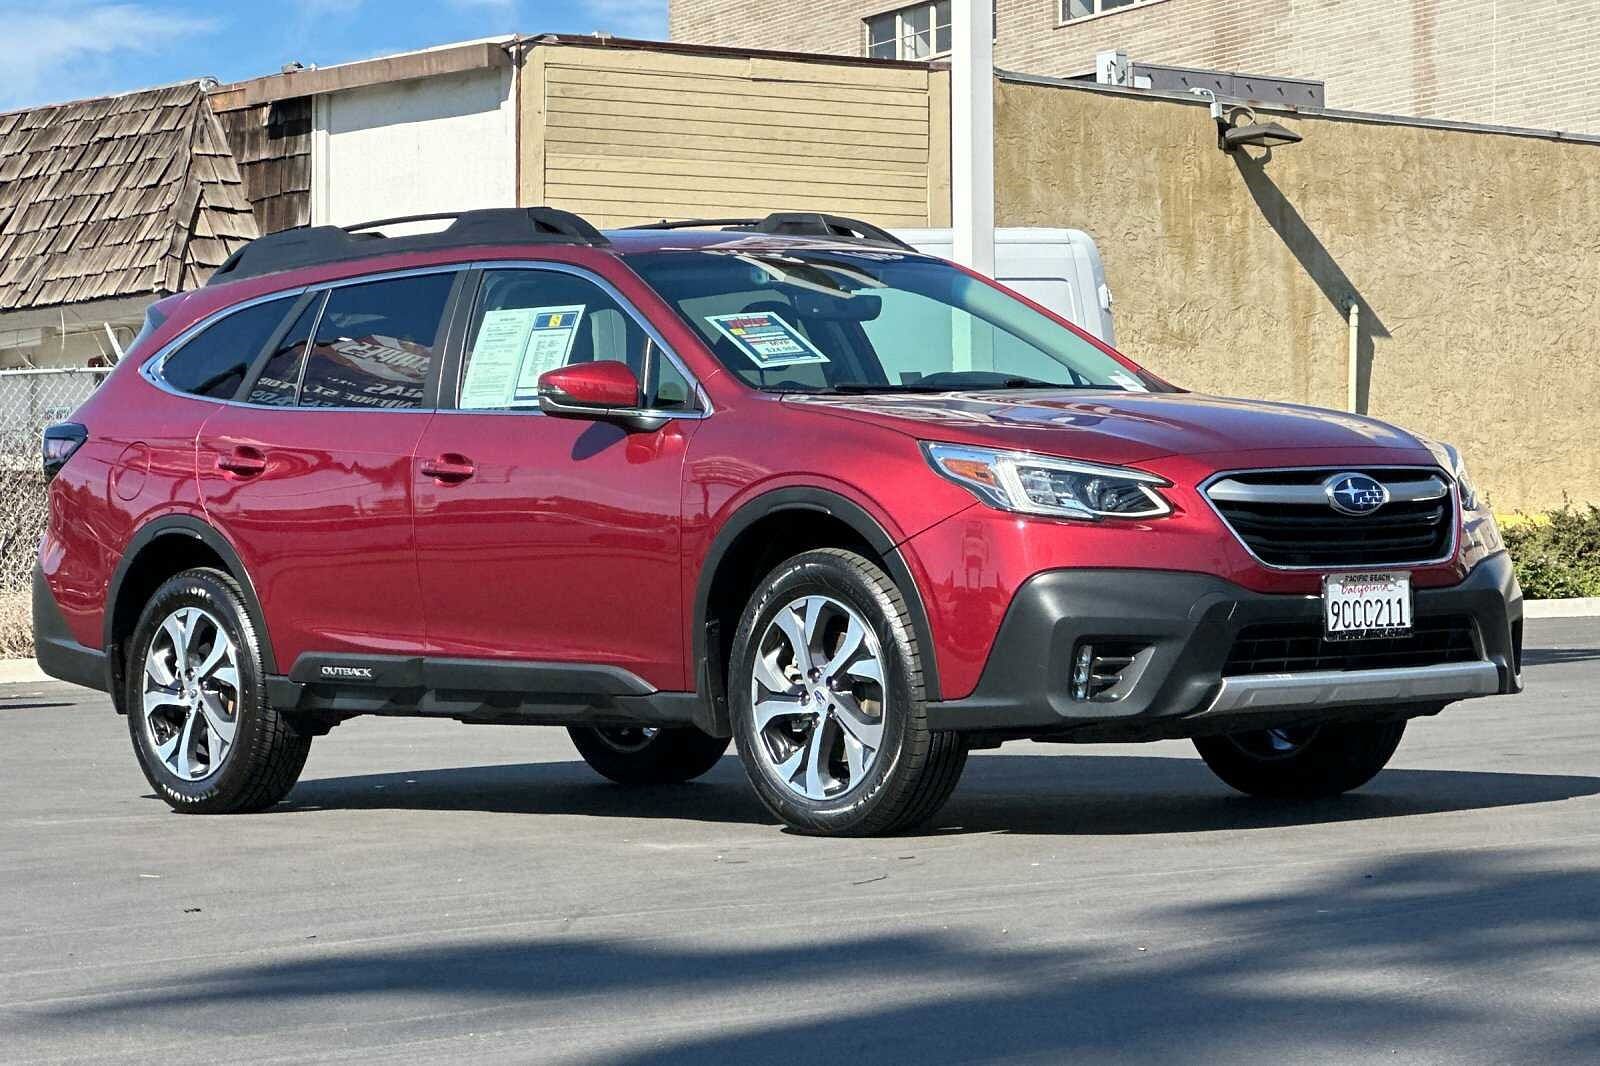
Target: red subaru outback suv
[{"x": 779, "y": 480}]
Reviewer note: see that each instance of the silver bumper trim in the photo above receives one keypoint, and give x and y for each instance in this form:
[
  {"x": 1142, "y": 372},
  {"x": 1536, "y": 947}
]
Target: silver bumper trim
[{"x": 1340, "y": 688}]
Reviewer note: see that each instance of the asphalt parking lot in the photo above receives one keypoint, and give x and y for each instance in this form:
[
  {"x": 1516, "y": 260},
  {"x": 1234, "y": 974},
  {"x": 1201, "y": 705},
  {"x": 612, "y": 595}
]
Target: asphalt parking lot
[{"x": 433, "y": 892}]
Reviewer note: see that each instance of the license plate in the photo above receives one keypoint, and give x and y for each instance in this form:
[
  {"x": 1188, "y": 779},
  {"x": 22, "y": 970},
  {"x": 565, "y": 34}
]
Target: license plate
[{"x": 1366, "y": 605}]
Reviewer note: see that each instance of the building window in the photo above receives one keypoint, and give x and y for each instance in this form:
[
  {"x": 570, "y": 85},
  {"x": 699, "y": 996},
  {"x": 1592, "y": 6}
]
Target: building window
[
  {"x": 921, "y": 31},
  {"x": 1077, "y": 9}
]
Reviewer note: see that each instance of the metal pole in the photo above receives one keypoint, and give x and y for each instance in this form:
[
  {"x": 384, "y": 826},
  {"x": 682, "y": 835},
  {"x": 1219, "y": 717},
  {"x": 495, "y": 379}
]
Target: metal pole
[
  {"x": 972, "y": 132},
  {"x": 1352, "y": 363}
]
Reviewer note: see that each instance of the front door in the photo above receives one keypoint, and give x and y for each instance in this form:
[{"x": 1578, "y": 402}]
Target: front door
[
  {"x": 309, "y": 477},
  {"x": 553, "y": 540}
]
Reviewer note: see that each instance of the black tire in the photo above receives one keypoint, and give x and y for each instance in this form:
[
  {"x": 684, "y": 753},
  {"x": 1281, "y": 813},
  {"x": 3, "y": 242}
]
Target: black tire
[
  {"x": 916, "y": 768},
  {"x": 637, "y": 755},
  {"x": 1311, "y": 762},
  {"x": 266, "y": 755}
]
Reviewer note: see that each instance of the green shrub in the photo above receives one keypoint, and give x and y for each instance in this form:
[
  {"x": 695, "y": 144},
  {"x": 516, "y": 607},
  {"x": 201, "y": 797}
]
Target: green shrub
[{"x": 1557, "y": 555}]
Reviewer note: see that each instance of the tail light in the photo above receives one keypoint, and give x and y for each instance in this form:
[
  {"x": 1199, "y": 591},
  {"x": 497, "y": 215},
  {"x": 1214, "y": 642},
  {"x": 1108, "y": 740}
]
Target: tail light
[{"x": 60, "y": 442}]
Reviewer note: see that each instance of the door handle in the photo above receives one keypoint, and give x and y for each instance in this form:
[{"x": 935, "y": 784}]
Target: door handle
[
  {"x": 449, "y": 468},
  {"x": 243, "y": 461}
]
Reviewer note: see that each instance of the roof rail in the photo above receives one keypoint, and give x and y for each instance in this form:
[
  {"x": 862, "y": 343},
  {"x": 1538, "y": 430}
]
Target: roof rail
[
  {"x": 316, "y": 245},
  {"x": 792, "y": 224}
]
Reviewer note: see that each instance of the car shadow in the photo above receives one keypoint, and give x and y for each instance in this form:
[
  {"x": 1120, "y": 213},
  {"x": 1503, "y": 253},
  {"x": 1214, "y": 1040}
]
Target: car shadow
[
  {"x": 1040, "y": 794},
  {"x": 1298, "y": 971},
  {"x": 1558, "y": 656},
  {"x": 1117, "y": 795},
  {"x": 554, "y": 788}
]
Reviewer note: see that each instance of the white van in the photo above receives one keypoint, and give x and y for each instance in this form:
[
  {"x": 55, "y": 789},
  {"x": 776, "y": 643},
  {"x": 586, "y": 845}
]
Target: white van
[{"x": 1059, "y": 268}]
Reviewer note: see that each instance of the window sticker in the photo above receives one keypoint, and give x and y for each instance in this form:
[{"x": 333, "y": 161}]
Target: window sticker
[
  {"x": 1127, "y": 381},
  {"x": 550, "y": 340},
  {"x": 767, "y": 339},
  {"x": 514, "y": 346}
]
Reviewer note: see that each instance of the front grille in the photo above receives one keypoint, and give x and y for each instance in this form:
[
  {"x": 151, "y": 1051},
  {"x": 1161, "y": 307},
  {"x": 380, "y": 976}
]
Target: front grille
[
  {"x": 1298, "y": 647},
  {"x": 1291, "y": 523}
]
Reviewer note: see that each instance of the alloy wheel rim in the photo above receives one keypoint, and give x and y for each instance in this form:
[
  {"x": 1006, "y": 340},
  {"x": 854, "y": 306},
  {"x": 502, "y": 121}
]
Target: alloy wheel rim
[
  {"x": 191, "y": 693},
  {"x": 626, "y": 738},
  {"x": 819, "y": 697},
  {"x": 1276, "y": 743}
]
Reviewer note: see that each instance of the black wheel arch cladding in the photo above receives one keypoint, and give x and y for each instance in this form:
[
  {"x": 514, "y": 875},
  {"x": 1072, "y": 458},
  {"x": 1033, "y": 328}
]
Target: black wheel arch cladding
[
  {"x": 798, "y": 500},
  {"x": 194, "y": 530}
]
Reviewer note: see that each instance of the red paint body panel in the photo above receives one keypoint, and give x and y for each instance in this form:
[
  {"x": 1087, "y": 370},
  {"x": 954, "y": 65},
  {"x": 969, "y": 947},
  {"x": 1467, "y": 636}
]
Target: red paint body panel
[
  {"x": 325, "y": 530},
  {"x": 137, "y": 466},
  {"x": 520, "y": 536},
  {"x": 562, "y": 546}
]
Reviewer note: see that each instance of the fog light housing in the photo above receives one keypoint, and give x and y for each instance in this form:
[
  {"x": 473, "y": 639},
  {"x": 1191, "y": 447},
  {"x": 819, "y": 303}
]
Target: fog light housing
[{"x": 1102, "y": 669}]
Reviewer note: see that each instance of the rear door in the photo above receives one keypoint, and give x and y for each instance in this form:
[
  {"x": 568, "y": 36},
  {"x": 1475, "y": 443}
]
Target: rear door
[
  {"x": 309, "y": 473},
  {"x": 553, "y": 540}
]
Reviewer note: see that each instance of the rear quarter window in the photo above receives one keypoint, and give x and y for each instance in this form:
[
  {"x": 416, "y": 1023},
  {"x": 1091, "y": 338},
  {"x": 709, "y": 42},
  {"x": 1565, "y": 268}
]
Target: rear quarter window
[
  {"x": 213, "y": 364},
  {"x": 376, "y": 343}
]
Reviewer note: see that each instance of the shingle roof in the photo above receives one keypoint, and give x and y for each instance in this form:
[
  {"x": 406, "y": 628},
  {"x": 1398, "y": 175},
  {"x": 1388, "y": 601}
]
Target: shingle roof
[{"x": 118, "y": 196}]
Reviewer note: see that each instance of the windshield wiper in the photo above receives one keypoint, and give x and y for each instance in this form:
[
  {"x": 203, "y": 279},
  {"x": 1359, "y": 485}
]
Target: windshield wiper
[
  {"x": 1035, "y": 383},
  {"x": 855, "y": 388}
]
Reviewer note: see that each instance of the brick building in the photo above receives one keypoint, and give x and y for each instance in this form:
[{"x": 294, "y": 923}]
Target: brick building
[{"x": 1505, "y": 62}]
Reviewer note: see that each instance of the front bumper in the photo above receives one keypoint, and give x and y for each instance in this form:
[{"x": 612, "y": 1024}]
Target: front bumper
[{"x": 1186, "y": 625}]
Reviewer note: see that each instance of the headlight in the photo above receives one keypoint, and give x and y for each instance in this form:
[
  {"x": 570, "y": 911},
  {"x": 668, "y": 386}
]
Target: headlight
[
  {"x": 1033, "y": 484},
  {"x": 1451, "y": 460}
]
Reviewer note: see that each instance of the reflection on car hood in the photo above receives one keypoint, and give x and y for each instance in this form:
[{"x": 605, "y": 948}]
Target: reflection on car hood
[{"x": 1112, "y": 425}]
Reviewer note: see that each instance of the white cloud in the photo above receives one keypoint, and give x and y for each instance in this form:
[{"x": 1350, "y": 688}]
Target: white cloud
[
  {"x": 629, "y": 18},
  {"x": 62, "y": 53}
]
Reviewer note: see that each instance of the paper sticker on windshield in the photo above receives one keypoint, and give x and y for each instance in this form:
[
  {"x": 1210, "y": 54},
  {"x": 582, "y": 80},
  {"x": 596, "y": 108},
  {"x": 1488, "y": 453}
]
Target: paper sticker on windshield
[
  {"x": 1127, "y": 381},
  {"x": 766, "y": 338}
]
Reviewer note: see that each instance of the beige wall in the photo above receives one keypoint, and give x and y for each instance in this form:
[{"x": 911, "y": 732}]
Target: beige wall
[
  {"x": 1475, "y": 258},
  {"x": 1508, "y": 62},
  {"x": 626, "y": 136},
  {"x": 832, "y": 27}
]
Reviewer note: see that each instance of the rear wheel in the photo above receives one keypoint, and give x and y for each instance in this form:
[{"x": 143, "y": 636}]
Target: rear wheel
[
  {"x": 826, "y": 693},
  {"x": 647, "y": 755},
  {"x": 207, "y": 740},
  {"x": 1302, "y": 762}
]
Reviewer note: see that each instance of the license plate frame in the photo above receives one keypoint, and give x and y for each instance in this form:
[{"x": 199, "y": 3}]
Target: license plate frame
[{"x": 1368, "y": 605}]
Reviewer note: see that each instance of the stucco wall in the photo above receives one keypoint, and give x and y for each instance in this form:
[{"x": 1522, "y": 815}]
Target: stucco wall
[
  {"x": 445, "y": 143},
  {"x": 1475, "y": 258},
  {"x": 1508, "y": 62}
]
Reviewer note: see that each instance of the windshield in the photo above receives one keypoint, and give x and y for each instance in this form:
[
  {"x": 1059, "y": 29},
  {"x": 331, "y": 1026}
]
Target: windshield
[{"x": 844, "y": 320}]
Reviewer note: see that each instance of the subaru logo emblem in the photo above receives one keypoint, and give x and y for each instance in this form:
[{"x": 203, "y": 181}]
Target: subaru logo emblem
[{"x": 1355, "y": 494}]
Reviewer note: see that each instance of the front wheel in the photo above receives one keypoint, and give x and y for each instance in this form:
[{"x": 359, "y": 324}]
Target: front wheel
[
  {"x": 826, "y": 691},
  {"x": 647, "y": 755},
  {"x": 1302, "y": 762}
]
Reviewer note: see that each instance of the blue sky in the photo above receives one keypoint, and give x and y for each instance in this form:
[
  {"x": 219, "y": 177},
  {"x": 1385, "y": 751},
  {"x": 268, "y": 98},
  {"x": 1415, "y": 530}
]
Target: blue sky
[{"x": 57, "y": 50}]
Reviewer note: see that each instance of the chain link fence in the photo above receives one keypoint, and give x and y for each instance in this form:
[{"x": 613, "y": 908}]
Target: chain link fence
[
  {"x": 32, "y": 399},
  {"x": 29, "y": 401}
]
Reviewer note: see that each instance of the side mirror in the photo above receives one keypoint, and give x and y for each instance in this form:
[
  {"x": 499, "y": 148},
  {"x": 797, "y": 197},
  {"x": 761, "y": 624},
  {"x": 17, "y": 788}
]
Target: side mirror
[{"x": 604, "y": 391}]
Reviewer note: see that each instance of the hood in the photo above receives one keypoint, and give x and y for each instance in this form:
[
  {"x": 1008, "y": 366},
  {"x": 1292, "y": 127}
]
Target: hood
[{"x": 1113, "y": 426}]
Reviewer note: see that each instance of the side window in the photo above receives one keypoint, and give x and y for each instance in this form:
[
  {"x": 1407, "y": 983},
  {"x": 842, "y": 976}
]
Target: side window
[
  {"x": 671, "y": 391},
  {"x": 280, "y": 377},
  {"x": 531, "y": 321},
  {"x": 214, "y": 363},
  {"x": 376, "y": 343}
]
